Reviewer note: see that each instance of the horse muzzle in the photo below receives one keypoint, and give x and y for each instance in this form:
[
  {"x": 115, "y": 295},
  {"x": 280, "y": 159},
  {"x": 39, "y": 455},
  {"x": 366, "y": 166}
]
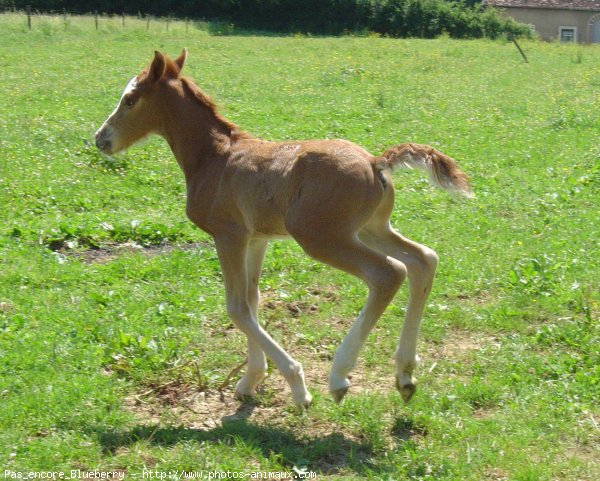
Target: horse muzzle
[{"x": 103, "y": 142}]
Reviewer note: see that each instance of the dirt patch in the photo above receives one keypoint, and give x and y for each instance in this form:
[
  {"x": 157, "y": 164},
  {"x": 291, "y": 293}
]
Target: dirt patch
[
  {"x": 179, "y": 412},
  {"x": 316, "y": 362},
  {"x": 585, "y": 456},
  {"x": 496, "y": 474},
  {"x": 484, "y": 413},
  {"x": 211, "y": 408},
  {"x": 195, "y": 409},
  {"x": 273, "y": 301},
  {"x": 476, "y": 298},
  {"x": 201, "y": 408},
  {"x": 109, "y": 253},
  {"x": 460, "y": 345},
  {"x": 183, "y": 410}
]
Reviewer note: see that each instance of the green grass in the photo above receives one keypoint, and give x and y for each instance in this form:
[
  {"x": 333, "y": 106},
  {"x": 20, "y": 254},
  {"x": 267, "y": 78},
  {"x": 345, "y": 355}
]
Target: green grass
[{"x": 111, "y": 357}]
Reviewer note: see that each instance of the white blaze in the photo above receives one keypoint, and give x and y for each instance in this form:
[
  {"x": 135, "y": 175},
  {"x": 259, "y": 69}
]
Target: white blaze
[{"x": 130, "y": 88}]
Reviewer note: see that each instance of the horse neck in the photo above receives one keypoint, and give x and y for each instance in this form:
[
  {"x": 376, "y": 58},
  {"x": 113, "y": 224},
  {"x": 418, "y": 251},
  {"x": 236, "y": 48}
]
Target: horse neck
[{"x": 198, "y": 136}]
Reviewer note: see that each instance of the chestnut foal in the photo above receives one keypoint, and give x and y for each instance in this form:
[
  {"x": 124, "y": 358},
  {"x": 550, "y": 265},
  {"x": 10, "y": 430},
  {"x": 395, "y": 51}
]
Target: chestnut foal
[{"x": 333, "y": 197}]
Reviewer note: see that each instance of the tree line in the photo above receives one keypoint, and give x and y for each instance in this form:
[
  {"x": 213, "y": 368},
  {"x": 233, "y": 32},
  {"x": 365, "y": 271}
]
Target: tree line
[{"x": 396, "y": 18}]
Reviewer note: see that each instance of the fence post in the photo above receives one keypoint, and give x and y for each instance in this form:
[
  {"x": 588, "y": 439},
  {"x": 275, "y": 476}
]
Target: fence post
[
  {"x": 168, "y": 21},
  {"x": 514, "y": 40},
  {"x": 29, "y": 16},
  {"x": 96, "y": 18},
  {"x": 147, "y": 21},
  {"x": 520, "y": 50},
  {"x": 65, "y": 15}
]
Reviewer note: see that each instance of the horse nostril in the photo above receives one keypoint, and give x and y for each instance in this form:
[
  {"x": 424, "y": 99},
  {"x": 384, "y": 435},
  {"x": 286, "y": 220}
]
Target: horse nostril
[
  {"x": 100, "y": 139},
  {"x": 102, "y": 144}
]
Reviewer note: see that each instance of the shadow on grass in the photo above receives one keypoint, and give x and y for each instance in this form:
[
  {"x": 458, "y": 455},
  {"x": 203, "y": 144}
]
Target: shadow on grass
[{"x": 326, "y": 454}]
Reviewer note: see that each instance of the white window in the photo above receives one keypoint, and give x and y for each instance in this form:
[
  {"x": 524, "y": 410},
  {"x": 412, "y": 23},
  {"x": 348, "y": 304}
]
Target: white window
[{"x": 567, "y": 34}]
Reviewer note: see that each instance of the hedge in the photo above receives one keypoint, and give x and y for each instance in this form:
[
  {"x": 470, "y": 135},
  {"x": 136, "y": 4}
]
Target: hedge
[{"x": 396, "y": 18}]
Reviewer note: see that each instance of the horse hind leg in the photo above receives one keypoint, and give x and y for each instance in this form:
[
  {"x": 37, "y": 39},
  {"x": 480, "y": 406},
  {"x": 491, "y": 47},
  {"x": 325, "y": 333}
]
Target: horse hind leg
[
  {"x": 421, "y": 263},
  {"x": 383, "y": 285},
  {"x": 383, "y": 276}
]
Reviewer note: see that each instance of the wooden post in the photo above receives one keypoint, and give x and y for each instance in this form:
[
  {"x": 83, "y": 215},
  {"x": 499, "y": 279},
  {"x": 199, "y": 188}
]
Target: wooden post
[
  {"x": 514, "y": 40},
  {"x": 147, "y": 21},
  {"x": 29, "y": 16},
  {"x": 520, "y": 50},
  {"x": 65, "y": 15},
  {"x": 96, "y": 18}
]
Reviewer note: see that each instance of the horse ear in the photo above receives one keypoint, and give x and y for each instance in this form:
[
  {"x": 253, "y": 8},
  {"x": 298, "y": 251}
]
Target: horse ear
[
  {"x": 157, "y": 67},
  {"x": 179, "y": 61}
]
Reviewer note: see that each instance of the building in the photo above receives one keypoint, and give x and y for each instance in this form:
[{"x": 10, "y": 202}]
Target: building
[{"x": 566, "y": 20}]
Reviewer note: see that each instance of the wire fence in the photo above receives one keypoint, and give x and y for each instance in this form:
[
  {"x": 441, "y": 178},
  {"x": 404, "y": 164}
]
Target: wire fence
[{"x": 33, "y": 18}]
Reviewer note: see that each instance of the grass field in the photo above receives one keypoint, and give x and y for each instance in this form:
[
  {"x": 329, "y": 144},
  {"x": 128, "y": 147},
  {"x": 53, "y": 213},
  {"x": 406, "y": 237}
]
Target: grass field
[{"x": 115, "y": 347}]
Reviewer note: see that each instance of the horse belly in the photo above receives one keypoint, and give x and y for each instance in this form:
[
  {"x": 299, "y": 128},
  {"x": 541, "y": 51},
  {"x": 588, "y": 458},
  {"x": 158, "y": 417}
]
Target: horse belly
[{"x": 265, "y": 219}]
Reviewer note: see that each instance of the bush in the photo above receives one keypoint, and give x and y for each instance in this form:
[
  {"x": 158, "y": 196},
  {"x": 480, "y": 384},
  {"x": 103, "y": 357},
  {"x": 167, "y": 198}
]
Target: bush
[{"x": 431, "y": 18}]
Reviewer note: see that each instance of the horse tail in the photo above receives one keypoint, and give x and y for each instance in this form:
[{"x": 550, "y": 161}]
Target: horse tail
[{"x": 443, "y": 170}]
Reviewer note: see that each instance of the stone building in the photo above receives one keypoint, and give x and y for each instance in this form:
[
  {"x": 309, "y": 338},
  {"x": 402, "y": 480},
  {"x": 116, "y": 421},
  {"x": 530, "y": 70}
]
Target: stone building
[{"x": 566, "y": 20}]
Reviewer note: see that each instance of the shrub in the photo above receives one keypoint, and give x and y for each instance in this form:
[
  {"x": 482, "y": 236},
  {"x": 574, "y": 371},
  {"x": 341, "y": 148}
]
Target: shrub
[{"x": 396, "y": 18}]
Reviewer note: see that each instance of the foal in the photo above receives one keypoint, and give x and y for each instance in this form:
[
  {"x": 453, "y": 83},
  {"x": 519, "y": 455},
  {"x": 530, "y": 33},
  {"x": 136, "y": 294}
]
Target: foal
[{"x": 333, "y": 197}]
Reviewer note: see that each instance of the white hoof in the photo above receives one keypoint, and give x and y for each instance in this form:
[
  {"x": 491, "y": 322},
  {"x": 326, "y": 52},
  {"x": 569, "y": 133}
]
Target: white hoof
[
  {"x": 338, "y": 389},
  {"x": 406, "y": 388},
  {"x": 245, "y": 394},
  {"x": 246, "y": 387},
  {"x": 303, "y": 402}
]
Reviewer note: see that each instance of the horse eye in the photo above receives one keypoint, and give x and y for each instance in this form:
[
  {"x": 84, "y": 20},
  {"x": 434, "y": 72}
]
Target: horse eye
[{"x": 129, "y": 101}]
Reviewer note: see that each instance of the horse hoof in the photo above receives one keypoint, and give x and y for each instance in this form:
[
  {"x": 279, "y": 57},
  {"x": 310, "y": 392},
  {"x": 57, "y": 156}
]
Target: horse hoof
[
  {"x": 304, "y": 403},
  {"x": 245, "y": 396},
  {"x": 339, "y": 394},
  {"x": 406, "y": 391},
  {"x": 338, "y": 388},
  {"x": 244, "y": 391}
]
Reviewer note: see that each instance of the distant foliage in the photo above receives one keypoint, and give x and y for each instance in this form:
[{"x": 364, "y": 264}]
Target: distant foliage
[
  {"x": 397, "y": 18},
  {"x": 430, "y": 18}
]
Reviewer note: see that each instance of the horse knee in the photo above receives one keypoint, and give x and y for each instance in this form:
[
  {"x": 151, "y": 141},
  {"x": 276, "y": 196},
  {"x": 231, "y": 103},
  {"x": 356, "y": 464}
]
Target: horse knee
[
  {"x": 422, "y": 269},
  {"x": 388, "y": 278},
  {"x": 429, "y": 259}
]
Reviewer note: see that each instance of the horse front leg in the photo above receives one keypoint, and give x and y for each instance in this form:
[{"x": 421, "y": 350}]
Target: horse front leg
[
  {"x": 233, "y": 255},
  {"x": 256, "y": 368}
]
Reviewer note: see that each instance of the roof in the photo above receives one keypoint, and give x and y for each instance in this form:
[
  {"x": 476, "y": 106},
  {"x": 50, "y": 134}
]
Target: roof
[{"x": 552, "y": 4}]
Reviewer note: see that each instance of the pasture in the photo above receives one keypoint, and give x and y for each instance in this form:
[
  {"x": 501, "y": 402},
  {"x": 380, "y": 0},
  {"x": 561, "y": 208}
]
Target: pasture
[{"x": 116, "y": 352}]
